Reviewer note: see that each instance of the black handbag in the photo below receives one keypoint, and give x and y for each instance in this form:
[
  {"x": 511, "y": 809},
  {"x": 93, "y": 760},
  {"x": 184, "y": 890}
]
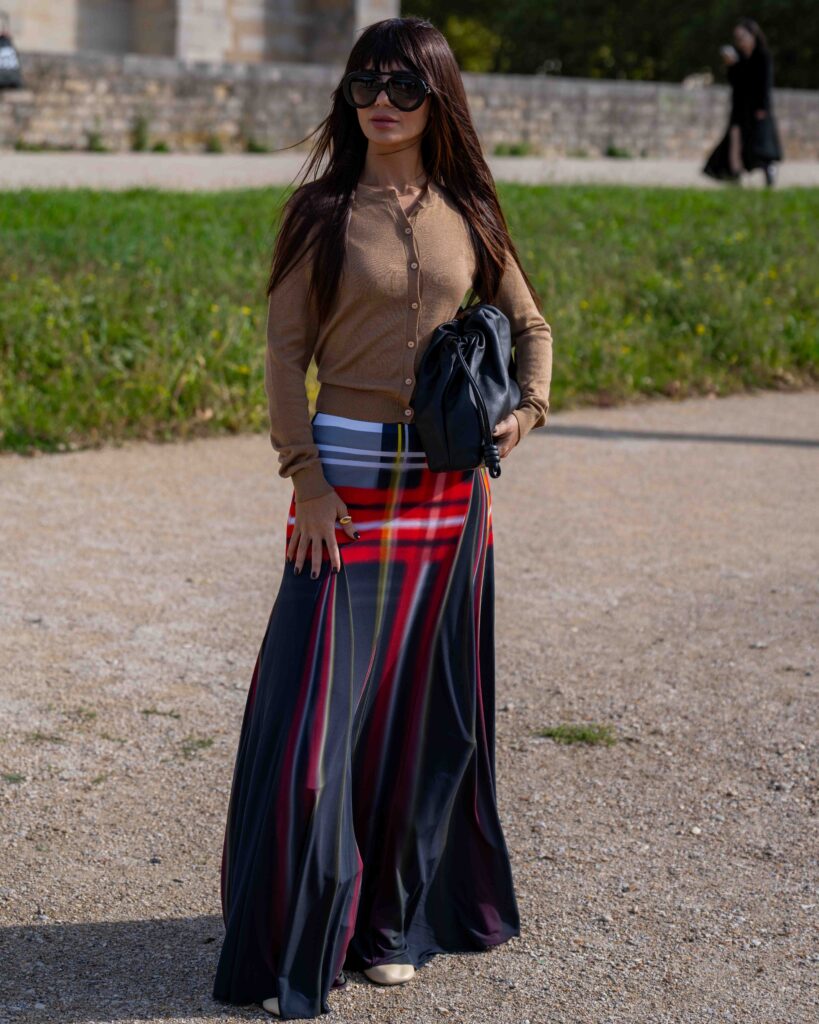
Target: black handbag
[
  {"x": 10, "y": 77},
  {"x": 465, "y": 384}
]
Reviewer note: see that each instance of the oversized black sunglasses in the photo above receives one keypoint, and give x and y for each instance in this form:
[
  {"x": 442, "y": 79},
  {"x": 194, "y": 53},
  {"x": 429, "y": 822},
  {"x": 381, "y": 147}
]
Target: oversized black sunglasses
[{"x": 405, "y": 89}]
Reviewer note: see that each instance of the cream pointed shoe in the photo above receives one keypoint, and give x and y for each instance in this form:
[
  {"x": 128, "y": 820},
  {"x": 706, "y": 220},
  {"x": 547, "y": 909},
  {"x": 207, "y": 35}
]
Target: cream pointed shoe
[{"x": 390, "y": 974}]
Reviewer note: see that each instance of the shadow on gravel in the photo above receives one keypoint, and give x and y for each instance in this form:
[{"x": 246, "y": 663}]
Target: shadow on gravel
[
  {"x": 608, "y": 434},
  {"x": 112, "y": 971}
]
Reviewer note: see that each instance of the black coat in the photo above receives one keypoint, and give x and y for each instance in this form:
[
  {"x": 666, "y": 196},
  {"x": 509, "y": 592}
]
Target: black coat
[{"x": 751, "y": 80}]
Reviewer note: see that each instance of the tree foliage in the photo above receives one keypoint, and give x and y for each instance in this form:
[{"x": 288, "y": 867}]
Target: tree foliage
[{"x": 656, "y": 40}]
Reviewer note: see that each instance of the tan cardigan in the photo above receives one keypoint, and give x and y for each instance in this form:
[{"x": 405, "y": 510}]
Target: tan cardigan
[{"x": 402, "y": 276}]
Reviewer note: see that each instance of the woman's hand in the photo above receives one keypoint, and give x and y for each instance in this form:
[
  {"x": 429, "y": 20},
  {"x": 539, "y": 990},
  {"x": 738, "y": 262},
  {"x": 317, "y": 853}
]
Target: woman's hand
[
  {"x": 506, "y": 434},
  {"x": 316, "y": 526}
]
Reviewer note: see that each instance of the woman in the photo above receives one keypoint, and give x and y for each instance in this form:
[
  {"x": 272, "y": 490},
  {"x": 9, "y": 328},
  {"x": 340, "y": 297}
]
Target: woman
[
  {"x": 363, "y": 830},
  {"x": 752, "y": 139}
]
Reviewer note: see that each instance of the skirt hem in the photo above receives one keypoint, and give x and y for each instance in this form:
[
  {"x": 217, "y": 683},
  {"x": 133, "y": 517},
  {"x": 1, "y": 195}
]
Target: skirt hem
[{"x": 418, "y": 961}]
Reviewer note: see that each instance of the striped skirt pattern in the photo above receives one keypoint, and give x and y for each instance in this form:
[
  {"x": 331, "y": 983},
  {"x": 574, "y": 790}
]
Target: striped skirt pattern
[{"x": 362, "y": 826}]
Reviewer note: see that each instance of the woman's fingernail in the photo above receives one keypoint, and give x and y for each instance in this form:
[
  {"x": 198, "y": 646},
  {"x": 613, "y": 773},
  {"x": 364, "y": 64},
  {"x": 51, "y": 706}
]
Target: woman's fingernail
[
  {"x": 356, "y": 534},
  {"x": 335, "y": 569},
  {"x": 314, "y": 575},
  {"x": 296, "y": 570}
]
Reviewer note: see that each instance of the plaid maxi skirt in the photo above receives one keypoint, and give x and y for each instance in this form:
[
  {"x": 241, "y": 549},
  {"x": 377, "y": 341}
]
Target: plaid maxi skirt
[{"x": 362, "y": 826}]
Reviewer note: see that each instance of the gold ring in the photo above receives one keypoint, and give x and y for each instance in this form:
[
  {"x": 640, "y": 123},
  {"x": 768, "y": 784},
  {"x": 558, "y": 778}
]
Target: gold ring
[{"x": 346, "y": 519}]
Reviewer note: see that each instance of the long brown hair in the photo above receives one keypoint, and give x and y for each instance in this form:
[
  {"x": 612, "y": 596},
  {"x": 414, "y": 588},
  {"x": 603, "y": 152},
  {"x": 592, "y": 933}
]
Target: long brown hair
[
  {"x": 315, "y": 215},
  {"x": 753, "y": 27}
]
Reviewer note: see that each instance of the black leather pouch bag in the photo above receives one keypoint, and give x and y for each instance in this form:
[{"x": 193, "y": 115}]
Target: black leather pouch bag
[{"x": 466, "y": 382}]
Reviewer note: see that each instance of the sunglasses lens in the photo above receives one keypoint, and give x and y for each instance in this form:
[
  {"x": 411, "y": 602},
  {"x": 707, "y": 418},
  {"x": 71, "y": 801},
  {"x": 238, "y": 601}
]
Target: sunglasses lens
[
  {"x": 406, "y": 91},
  {"x": 364, "y": 90}
]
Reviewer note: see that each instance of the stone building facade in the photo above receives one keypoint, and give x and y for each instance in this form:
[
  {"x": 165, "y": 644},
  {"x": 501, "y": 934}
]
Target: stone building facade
[{"x": 214, "y": 30}]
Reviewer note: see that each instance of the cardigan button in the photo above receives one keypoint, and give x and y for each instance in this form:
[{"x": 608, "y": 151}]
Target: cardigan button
[
  {"x": 408, "y": 380},
  {"x": 408, "y": 412},
  {"x": 410, "y": 344},
  {"x": 407, "y": 231},
  {"x": 414, "y": 266},
  {"x": 415, "y": 305}
]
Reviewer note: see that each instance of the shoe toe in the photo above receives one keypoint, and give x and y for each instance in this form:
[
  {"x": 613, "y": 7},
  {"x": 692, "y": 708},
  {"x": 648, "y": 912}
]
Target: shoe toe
[{"x": 390, "y": 974}]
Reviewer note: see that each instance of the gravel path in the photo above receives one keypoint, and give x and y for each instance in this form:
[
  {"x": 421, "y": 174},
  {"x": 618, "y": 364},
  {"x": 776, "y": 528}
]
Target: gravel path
[
  {"x": 657, "y": 570},
  {"x": 196, "y": 172}
]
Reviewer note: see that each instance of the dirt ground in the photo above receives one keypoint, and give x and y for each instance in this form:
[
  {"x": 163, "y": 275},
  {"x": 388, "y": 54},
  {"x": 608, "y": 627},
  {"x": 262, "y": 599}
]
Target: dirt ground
[{"x": 656, "y": 567}]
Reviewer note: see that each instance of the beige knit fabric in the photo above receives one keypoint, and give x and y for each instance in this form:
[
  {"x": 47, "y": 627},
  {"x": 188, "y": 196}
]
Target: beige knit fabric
[{"x": 403, "y": 274}]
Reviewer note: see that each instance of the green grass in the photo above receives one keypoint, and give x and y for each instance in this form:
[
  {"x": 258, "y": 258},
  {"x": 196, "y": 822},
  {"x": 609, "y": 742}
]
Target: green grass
[
  {"x": 156, "y": 711},
  {"x": 81, "y": 714},
  {"x": 192, "y": 744},
  {"x": 44, "y": 737},
  {"x": 590, "y": 733},
  {"x": 142, "y": 313}
]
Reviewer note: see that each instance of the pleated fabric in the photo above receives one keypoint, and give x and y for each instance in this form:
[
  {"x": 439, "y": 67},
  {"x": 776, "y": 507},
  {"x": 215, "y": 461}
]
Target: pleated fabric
[{"x": 362, "y": 825}]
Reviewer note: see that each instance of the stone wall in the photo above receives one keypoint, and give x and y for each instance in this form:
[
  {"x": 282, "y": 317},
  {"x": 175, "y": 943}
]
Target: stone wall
[{"x": 187, "y": 105}]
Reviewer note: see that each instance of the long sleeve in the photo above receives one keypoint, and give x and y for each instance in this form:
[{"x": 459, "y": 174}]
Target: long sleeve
[
  {"x": 292, "y": 327},
  {"x": 532, "y": 341}
]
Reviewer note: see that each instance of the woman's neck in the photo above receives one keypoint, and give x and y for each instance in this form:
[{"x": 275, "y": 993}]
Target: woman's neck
[{"x": 403, "y": 170}]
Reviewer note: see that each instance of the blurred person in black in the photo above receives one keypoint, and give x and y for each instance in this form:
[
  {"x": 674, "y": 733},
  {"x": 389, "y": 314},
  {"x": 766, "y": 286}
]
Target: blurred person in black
[{"x": 752, "y": 139}]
